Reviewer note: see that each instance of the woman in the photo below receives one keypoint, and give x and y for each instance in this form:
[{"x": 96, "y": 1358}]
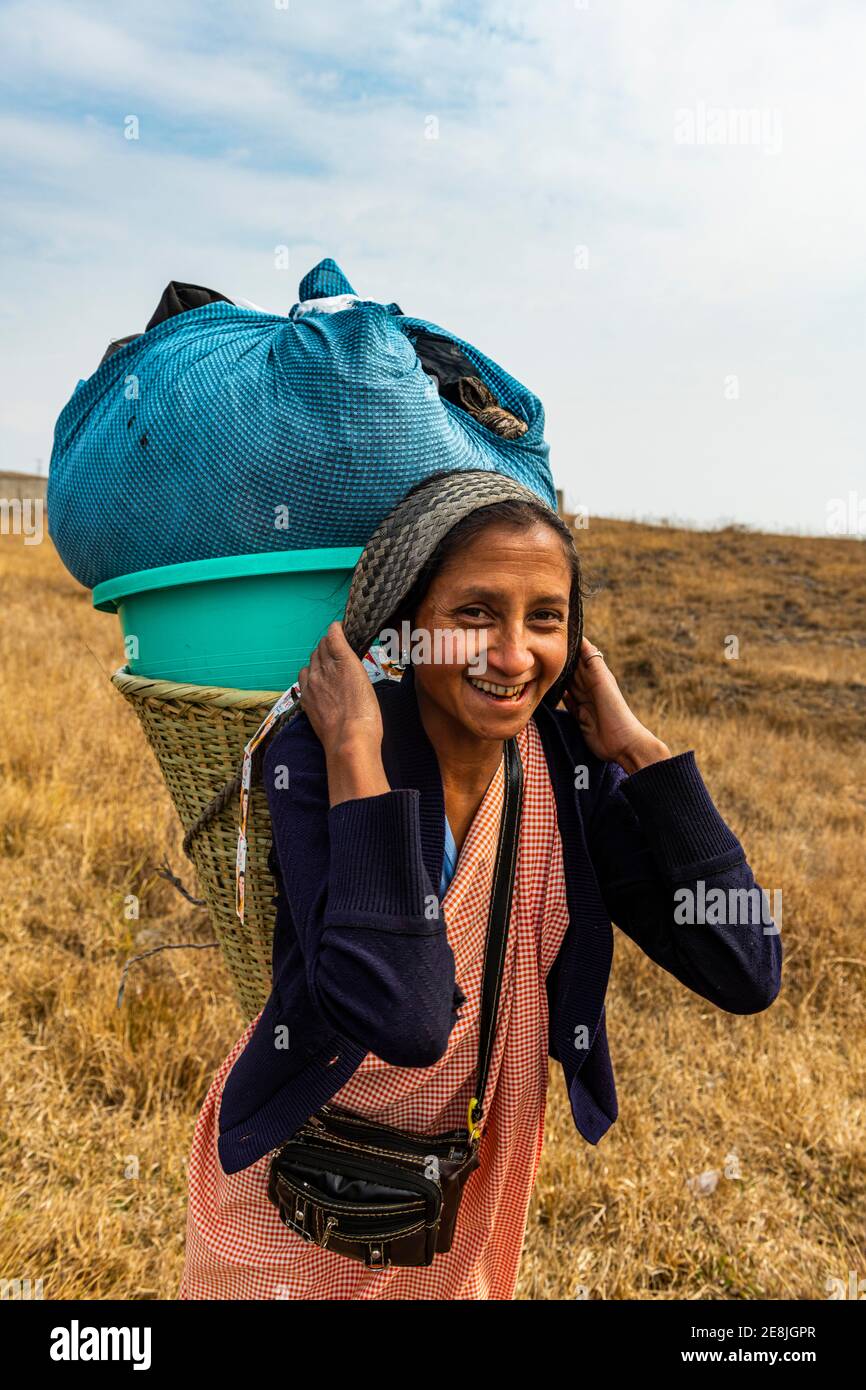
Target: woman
[{"x": 375, "y": 791}]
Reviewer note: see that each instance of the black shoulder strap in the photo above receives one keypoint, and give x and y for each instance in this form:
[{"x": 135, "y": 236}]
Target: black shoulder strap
[{"x": 500, "y": 912}]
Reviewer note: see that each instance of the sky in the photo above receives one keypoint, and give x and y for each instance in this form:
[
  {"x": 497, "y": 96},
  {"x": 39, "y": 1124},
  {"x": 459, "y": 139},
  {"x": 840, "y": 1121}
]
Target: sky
[{"x": 651, "y": 214}]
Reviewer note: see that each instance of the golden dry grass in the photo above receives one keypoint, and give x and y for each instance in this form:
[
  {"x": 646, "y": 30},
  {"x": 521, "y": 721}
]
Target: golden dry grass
[{"x": 99, "y": 1103}]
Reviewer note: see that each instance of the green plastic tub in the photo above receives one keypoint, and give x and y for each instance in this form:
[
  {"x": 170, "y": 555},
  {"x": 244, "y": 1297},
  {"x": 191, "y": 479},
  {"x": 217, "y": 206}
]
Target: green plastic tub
[{"x": 247, "y": 621}]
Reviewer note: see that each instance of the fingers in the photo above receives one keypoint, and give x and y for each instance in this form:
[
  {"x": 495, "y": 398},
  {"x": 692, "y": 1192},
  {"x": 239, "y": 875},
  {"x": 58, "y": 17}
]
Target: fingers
[
  {"x": 577, "y": 706},
  {"x": 592, "y": 667},
  {"x": 319, "y": 658},
  {"x": 588, "y": 651},
  {"x": 334, "y": 639},
  {"x": 325, "y": 651},
  {"x": 590, "y": 675}
]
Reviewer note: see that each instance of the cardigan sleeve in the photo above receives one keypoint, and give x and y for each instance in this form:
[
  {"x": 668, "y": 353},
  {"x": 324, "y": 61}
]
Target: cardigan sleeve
[
  {"x": 368, "y": 920},
  {"x": 674, "y": 877}
]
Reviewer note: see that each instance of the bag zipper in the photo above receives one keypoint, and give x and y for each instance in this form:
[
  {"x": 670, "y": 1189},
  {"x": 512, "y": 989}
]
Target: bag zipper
[
  {"x": 350, "y": 1208},
  {"x": 417, "y": 1143},
  {"x": 393, "y": 1154},
  {"x": 415, "y": 1182}
]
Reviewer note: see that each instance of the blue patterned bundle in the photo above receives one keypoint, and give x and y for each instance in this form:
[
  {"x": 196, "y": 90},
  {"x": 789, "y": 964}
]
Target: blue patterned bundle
[{"x": 227, "y": 431}]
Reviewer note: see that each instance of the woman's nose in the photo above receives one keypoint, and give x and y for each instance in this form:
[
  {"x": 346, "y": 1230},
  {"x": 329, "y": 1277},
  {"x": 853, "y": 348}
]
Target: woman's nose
[{"x": 508, "y": 652}]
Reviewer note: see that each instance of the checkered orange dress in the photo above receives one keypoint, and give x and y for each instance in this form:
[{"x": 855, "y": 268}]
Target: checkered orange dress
[{"x": 236, "y": 1246}]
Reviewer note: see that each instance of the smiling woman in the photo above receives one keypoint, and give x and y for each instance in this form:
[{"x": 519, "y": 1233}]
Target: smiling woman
[
  {"x": 520, "y": 525},
  {"x": 519, "y": 621},
  {"x": 396, "y": 994}
]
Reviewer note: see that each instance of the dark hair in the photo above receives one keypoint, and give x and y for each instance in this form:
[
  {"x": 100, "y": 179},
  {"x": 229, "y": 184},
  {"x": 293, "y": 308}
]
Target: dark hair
[{"x": 510, "y": 512}]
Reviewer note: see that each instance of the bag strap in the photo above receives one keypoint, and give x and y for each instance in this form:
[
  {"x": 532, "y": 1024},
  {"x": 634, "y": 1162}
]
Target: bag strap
[{"x": 497, "y": 925}]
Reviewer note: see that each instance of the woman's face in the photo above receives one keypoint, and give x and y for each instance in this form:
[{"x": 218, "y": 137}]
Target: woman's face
[{"x": 505, "y": 592}]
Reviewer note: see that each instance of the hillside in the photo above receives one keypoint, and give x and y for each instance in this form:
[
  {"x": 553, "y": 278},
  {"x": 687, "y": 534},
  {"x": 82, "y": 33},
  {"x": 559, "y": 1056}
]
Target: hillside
[{"x": 99, "y": 1103}]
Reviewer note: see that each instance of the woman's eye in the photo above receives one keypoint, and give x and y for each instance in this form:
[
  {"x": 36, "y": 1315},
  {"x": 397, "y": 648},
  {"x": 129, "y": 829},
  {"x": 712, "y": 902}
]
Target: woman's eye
[{"x": 543, "y": 615}]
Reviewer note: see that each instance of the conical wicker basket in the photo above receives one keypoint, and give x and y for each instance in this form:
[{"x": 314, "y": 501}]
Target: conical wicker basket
[{"x": 198, "y": 734}]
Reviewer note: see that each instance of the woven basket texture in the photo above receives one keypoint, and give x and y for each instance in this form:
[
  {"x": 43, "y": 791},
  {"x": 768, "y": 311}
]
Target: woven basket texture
[{"x": 198, "y": 734}]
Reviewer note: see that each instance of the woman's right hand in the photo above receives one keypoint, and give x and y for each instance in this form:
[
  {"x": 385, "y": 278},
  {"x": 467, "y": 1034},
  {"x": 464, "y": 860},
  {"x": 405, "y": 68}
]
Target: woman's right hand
[{"x": 338, "y": 697}]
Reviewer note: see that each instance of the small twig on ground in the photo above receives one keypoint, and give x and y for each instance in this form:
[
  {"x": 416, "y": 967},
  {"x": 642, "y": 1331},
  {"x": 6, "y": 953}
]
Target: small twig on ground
[{"x": 168, "y": 946}]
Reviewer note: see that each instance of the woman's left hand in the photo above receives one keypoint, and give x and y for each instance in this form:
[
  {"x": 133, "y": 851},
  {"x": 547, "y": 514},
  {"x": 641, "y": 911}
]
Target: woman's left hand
[{"x": 611, "y": 731}]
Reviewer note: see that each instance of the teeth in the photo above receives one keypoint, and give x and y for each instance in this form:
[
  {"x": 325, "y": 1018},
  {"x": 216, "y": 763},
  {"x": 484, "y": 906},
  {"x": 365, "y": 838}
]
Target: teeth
[{"x": 511, "y": 690}]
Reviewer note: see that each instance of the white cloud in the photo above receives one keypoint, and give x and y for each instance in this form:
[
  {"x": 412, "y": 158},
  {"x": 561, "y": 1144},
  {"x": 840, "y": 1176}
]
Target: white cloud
[{"x": 261, "y": 127}]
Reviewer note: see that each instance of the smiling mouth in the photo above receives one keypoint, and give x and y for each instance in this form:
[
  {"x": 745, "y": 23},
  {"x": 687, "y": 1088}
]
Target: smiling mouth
[{"x": 502, "y": 694}]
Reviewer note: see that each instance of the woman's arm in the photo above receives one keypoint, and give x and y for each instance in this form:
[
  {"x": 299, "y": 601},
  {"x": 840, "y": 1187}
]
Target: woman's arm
[
  {"x": 355, "y": 770},
  {"x": 675, "y": 878},
  {"x": 369, "y": 925},
  {"x": 673, "y": 875}
]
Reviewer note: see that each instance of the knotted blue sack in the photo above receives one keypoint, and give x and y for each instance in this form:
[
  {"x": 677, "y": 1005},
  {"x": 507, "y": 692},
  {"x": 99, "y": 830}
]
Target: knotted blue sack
[{"x": 229, "y": 431}]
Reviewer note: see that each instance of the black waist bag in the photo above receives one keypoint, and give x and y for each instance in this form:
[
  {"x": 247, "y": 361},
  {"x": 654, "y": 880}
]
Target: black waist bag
[{"x": 385, "y": 1196}]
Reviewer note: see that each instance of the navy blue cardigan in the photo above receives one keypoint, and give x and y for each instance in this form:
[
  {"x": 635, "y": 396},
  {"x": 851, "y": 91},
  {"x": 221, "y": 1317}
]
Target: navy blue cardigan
[{"x": 361, "y": 961}]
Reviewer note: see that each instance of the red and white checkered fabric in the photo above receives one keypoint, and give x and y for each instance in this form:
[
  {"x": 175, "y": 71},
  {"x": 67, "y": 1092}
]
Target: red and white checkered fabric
[{"x": 236, "y": 1246}]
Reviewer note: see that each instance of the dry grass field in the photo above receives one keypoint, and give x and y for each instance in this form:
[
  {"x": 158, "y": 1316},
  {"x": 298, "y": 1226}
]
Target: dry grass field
[{"x": 99, "y": 1103}]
